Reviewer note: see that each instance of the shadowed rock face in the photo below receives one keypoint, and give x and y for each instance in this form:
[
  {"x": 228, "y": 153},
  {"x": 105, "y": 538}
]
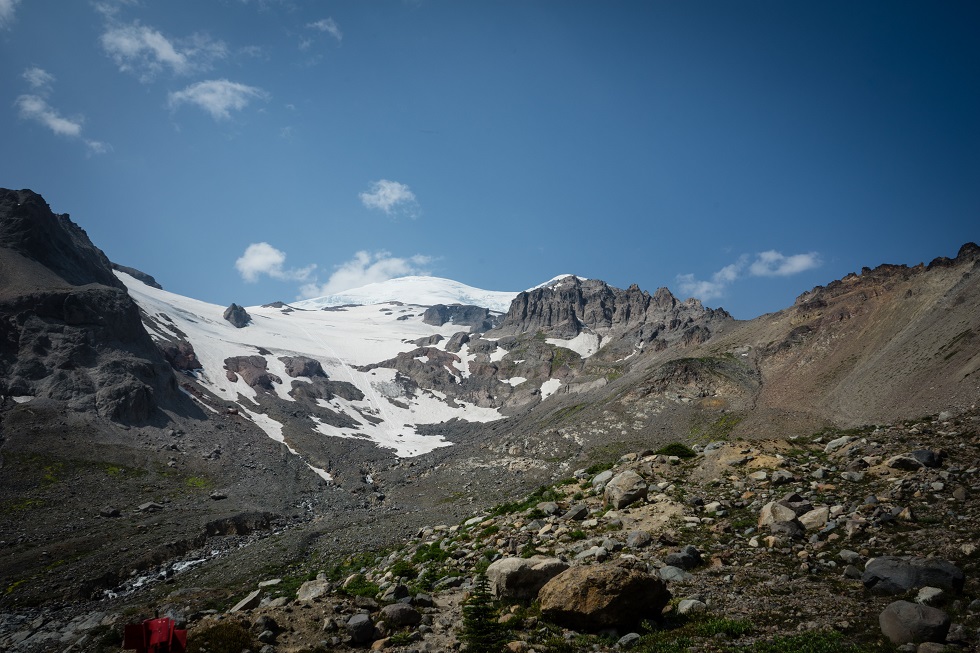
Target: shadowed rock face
[
  {"x": 474, "y": 316},
  {"x": 68, "y": 329}
]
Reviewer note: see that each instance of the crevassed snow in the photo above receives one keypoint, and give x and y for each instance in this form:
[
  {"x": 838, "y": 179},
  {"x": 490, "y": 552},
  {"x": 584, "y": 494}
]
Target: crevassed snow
[
  {"x": 584, "y": 344},
  {"x": 421, "y": 291},
  {"x": 549, "y": 388}
]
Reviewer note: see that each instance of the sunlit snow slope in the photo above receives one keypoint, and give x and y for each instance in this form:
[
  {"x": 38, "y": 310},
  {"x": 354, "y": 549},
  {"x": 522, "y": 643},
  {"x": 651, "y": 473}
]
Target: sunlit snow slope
[
  {"x": 422, "y": 291},
  {"x": 341, "y": 339}
]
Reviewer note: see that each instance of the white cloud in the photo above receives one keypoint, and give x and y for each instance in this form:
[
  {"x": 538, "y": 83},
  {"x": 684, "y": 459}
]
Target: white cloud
[
  {"x": 329, "y": 26},
  {"x": 774, "y": 264},
  {"x": 38, "y": 78},
  {"x": 145, "y": 51},
  {"x": 263, "y": 258},
  {"x": 7, "y": 8},
  {"x": 365, "y": 268},
  {"x": 36, "y": 108},
  {"x": 765, "y": 264},
  {"x": 217, "y": 96},
  {"x": 391, "y": 197}
]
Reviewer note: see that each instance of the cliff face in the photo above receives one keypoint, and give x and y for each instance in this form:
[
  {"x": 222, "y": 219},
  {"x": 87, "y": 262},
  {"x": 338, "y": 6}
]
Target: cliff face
[
  {"x": 570, "y": 306},
  {"x": 68, "y": 329}
]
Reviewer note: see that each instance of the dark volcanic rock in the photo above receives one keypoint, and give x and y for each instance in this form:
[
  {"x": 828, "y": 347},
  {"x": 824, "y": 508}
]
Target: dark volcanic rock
[
  {"x": 302, "y": 366},
  {"x": 68, "y": 329},
  {"x": 237, "y": 315},
  {"x": 253, "y": 370},
  {"x": 474, "y": 316},
  {"x": 567, "y": 306},
  {"x": 28, "y": 227},
  {"x": 181, "y": 356},
  {"x": 894, "y": 575}
]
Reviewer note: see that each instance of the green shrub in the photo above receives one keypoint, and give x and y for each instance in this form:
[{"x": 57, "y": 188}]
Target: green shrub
[
  {"x": 404, "y": 569},
  {"x": 676, "y": 449},
  {"x": 430, "y": 553},
  {"x": 360, "y": 586}
]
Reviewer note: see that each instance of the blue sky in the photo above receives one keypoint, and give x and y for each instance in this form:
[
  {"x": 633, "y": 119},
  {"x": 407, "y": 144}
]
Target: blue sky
[{"x": 741, "y": 152}]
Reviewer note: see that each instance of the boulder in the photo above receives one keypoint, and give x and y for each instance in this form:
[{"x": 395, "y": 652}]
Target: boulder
[
  {"x": 773, "y": 512},
  {"x": 602, "y": 596},
  {"x": 522, "y": 578},
  {"x": 903, "y": 622},
  {"x": 237, "y": 316},
  {"x": 687, "y": 558},
  {"x": 249, "y": 602},
  {"x": 312, "y": 589},
  {"x": 894, "y": 575},
  {"x": 399, "y": 615},
  {"x": 624, "y": 488},
  {"x": 360, "y": 628},
  {"x": 815, "y": 519}
]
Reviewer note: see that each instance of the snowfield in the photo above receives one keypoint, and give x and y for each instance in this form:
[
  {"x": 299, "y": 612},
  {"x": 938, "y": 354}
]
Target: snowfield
[{"x": 342, "y": 339}]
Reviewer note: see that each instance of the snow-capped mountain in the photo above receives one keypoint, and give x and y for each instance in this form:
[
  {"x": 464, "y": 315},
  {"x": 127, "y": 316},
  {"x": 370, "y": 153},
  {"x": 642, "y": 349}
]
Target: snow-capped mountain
[
  {"x": 422, "y": 291},
  {"x": 343, "y": 338}
]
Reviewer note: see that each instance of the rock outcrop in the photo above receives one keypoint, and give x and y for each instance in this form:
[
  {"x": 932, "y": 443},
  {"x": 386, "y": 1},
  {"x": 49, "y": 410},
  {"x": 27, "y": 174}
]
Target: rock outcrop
[
  {"x": 474, "y": 316},
  {"x": 237, "y": 316},
  {"x": 569, "y": 306},
  {"x": 68, "y": 329}
]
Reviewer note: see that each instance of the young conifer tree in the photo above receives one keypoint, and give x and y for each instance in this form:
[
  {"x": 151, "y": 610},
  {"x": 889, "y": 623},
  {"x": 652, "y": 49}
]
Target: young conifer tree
[{"x": 481, "y": 632}]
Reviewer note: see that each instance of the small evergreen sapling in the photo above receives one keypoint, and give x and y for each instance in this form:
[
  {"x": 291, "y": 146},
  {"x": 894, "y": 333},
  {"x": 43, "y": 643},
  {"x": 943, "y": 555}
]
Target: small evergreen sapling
[{"x": 481, "y": 632}]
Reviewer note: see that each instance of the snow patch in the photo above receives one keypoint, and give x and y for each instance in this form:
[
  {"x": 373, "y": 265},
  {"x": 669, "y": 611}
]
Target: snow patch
[
  {"x": 584, "y": 344},
  {"x": 549, "y": 388}
]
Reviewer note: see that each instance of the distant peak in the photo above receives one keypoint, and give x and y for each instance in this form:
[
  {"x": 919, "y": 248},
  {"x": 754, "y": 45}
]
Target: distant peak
[{"x": 557, "y": 282}]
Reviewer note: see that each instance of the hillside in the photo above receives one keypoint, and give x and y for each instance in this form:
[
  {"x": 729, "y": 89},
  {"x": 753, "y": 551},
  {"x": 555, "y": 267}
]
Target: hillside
[{"x": 145, "y": 435}]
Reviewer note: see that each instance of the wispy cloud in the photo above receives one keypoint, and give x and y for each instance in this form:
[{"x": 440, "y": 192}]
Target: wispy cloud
[
  {"x": 35, "y": 107},
  {"x": 7, "y": 9},
  {"x": 328, "y": 26},
  {"x": 145, "y": 51},
  {"x": 364, "y": 268},
  {"x": 219, "y": 97},
  {"x": 38, "y": 78},
  {"x": 763, "y": 264},
  {"x": 264, "y": 259},
  {"x": 392, "y": 197},
  {"x": 774, "y": 264}
]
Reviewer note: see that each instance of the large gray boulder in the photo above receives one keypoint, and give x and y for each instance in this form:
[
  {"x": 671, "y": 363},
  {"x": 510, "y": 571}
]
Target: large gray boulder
[
  {"x": 894, "y": 575},
  {"x": 237, "y": 316},
  {"x": 400, "y": 614},
  {"x": 522, "y": 578},
  {"x": 624, "y": 489},
  {"x": 602, "y": 596},
  {"x": 903, "y": 622}
]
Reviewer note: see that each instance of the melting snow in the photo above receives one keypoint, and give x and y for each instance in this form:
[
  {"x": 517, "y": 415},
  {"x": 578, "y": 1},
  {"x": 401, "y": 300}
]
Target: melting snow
[
  {"x": 584, "y": 344},
  {"x": 340, "y": 340},
  {"x": 549, "y": 388}
]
